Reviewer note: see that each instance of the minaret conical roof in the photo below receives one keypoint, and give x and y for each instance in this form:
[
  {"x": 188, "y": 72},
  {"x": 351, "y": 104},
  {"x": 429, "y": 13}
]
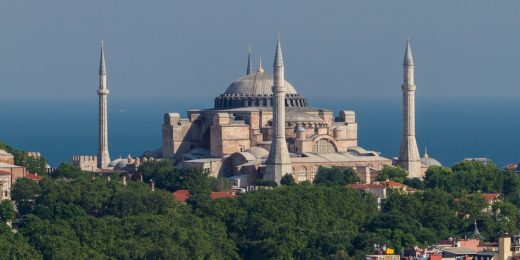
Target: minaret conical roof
[
  {"x": 278, "y": 57},
  {"x": 408, "y": 59},
  {"x": 102, "y": 66}
]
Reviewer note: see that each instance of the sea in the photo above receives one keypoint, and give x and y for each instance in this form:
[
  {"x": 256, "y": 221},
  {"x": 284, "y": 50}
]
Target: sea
[{"x": 450, "y": 128}]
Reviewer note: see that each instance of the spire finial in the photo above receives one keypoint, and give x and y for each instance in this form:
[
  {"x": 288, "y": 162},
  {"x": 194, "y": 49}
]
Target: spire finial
[
  {"x": 476, "y": 233},
  {"x": 102, "y": 66},
  {"x": 249, "y": 61},
  {"x": 408, "y": 59},
  {"x": 278, "y": 58},
  {"x": 260, "y": 67}
]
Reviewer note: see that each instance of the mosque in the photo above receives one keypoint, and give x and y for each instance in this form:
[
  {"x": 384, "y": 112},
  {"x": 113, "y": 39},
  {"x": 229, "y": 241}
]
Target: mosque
[{"x": 262, "y": 128}]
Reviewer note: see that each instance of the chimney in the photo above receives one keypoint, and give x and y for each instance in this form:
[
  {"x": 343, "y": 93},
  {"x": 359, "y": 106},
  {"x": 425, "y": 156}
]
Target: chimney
[{"x": 504, "y": 247}]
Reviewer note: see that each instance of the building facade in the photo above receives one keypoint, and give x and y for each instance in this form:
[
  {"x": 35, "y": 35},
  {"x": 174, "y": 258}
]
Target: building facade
[{"x": 241, "y": 132}]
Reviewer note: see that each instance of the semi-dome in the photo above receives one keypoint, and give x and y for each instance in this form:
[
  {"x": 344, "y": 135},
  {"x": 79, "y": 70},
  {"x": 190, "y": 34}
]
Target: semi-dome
[{"x": 255, "y": 90}]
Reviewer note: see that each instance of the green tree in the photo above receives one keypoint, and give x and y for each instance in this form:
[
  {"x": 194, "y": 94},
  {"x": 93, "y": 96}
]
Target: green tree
[
  {"x": 219, "y": 184},
  {"x": 288, "y": 179},
  {"x": 34, "y": 165},
  {"x": 172, "y": 179},
  {"x": 392, "y": 173},
  {"x": 24, "y": 192},
  {"x": 336, "y": 176},
  {"x": 6, "y": 211}
]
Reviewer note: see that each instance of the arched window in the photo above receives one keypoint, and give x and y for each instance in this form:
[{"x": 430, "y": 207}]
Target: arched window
[
  {"x": 323, "y": 146},
  {"x": 314, "y": 172},
  {"x": 302, "y": 174}
]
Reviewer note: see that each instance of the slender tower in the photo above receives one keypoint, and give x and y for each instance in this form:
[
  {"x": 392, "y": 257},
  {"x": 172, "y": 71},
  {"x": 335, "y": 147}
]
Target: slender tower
[
  {"x": 103, "y": 156},
  {"x": 249, "y": 61},
  {"x": 278, "y": 163},
  {"x": 409, "y": 157}
]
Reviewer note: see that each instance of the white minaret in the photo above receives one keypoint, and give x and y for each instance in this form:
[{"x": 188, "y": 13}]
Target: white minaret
[
  {"x": 103, "y": 155},
  {"x": 278, "y": 163},
  {"x": 409, "y": 158}
]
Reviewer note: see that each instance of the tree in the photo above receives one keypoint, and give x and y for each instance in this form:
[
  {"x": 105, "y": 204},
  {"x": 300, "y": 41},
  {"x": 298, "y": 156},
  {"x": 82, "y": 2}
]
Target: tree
[
  {"x": 6, "y": 211},
  {"x": 219, "y": 184},
  {"x": 69, "y": 171},
  {"x": 33, "y": 164},
  {"x": 24, "y": 192},
  {"x": 266, "y": 183},
  {"x": 438, "y": 177},
  {"x": 392, "y": 173},
  {"x": 288, "y": 179},
  {"x": 336, "y": 176},
  {"x": 172, "y": 179}
]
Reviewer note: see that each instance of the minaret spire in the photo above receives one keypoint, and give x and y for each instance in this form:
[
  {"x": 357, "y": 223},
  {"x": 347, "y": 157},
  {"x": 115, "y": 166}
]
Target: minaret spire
[
  {"x": 408, "y": 59},
  {"x": 278, "y": 163},
  {"x": 103, "y": 156},
  {"x": 249, "y": 61},
  {"x": 409, "y": 157},
  {"x": 102, "y": 65}
]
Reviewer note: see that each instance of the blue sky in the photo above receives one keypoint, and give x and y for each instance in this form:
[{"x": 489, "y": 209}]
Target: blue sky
[{"x": 197, "y": 48}]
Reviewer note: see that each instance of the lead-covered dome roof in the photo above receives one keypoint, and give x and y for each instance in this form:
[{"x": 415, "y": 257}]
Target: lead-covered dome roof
[
  {"x": 256, "y": 84},
  {"x": 255, "y": 90}
]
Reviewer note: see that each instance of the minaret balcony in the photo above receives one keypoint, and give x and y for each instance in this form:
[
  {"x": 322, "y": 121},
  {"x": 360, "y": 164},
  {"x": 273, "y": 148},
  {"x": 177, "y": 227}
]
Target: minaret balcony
[{"x": 103, "y": 91}]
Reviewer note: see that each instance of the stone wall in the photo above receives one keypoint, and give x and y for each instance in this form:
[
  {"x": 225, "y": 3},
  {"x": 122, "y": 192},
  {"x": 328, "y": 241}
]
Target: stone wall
[{"x": 85, "y": 162}]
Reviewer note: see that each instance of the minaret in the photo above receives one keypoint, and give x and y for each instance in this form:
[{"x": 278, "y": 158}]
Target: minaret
[
  {"x": 409, "y": 158},
  {"x": 278, "y": 163},
  {"x": 249, "y": 61},
  {"x": 103, "y": 156}
]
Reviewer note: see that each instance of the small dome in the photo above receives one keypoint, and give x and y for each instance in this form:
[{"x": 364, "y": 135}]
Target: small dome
[
  {"x": 300, "y": 129},
  {"x": 258, "y": 152},
  {"x": 427, "y": 161},
  {"x": 256, "y": 84},
  {"x": 115, "y": 162},
  {"x": 121, "y": 165}
]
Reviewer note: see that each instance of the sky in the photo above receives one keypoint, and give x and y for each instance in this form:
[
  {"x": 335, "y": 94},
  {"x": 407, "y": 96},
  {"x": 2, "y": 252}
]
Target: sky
[{"x": 183, "y": 48}]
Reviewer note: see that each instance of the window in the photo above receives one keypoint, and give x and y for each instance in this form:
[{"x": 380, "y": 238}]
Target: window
[
  {"x": 314, "y": 172},
  {"x": 323, "y": 146},
  {"x": 302, "y": 174}
]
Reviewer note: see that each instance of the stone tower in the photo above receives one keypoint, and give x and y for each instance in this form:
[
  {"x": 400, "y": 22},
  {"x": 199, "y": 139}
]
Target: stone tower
[
  {"x": 409, "y": 158},
  {"x": 278, "y": 163},
  {"x": 103, "y": 155}
]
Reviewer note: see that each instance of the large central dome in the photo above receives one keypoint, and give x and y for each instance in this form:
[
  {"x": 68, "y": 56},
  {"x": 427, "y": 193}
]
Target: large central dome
[
  {"x": 256, "y": 84},
  {"x": 255, "y": 90}
]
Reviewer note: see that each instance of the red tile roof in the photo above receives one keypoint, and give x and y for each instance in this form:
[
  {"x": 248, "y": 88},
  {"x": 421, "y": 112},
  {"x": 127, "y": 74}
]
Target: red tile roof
[
  {"x": 222, "y": 195},
  {"x": 181, "y": 195},
  {"x": 393, "y": 184},
  {"x": 490, "y": 197},
  {"x": 365, "y": 186},
  {"x": 33, "y": 177}
]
